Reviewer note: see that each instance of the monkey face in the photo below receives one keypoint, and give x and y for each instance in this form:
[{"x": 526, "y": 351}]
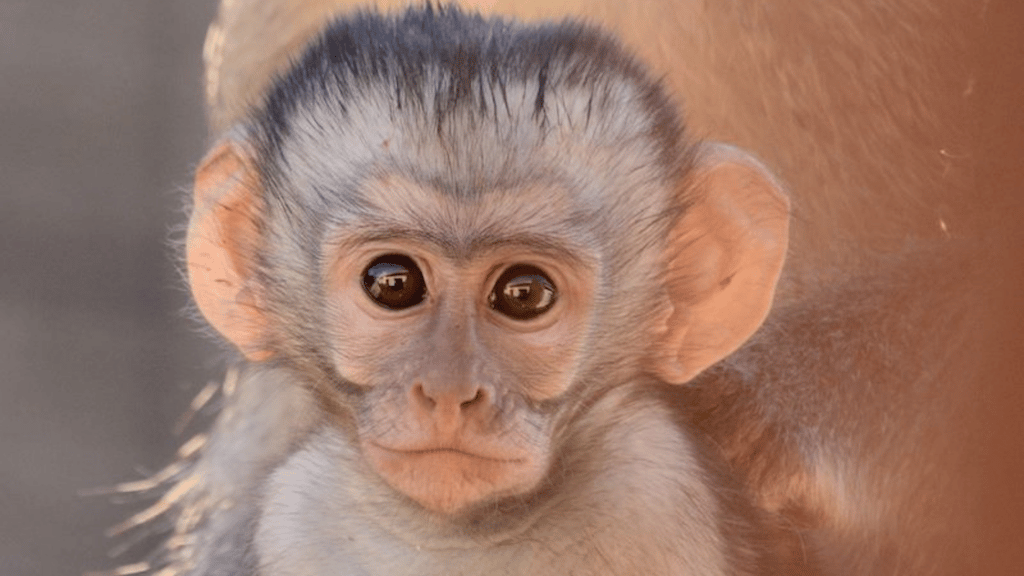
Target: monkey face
[{"x": 456, "y": 341}]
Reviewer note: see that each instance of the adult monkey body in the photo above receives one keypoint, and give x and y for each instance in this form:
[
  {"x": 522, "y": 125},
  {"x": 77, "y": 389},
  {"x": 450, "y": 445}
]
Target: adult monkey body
[{"x": 430, "y": 426}]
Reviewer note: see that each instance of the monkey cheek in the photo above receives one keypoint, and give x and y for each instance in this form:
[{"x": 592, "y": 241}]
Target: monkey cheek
[{"x": 450, "y": 481}]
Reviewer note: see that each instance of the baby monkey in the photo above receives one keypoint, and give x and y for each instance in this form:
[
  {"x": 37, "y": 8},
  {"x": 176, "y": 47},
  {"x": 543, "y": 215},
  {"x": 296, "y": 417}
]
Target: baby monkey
[
  {"x": 466, "y": 260},
  {"x": 479, "y": 273}
]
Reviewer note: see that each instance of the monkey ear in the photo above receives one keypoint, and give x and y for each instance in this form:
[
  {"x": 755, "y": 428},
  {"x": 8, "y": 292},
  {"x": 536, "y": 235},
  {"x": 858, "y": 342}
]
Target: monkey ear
[
  {"x": 724, "y": 259},
  {"x": 223, "y": 237}
]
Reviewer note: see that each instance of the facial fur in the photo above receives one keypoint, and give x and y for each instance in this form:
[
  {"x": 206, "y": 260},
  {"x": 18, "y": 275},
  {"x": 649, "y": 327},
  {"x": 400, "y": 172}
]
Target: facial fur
[{"x": 496, "y": 147}]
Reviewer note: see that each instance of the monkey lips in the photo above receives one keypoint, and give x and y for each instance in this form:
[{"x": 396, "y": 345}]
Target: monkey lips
[{"x": 448, "y": 478}]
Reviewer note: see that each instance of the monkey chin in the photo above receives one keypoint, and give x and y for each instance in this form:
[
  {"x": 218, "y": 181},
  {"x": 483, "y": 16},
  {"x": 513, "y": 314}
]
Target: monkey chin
[{"x": 451, "y": 481}]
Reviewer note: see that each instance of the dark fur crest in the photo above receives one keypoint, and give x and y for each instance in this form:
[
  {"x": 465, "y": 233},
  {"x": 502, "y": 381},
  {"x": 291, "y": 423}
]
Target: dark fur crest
[{"x": 475, "y": 60}]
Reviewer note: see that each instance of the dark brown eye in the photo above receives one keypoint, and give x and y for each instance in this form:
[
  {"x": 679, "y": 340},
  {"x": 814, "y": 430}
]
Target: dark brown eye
[
  {"x": 523, "y": 292},
  {"x": 394, "y": 281}
]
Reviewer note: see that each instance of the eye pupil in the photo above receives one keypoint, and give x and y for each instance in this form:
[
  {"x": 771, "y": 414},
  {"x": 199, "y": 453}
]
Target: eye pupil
[
  {"x": 523, "y": 292},
  {"x": 394, "y": 281}
]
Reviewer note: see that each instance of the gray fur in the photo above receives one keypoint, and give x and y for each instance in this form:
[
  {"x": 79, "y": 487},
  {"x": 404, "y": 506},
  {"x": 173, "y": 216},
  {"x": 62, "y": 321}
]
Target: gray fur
[{"x": 471, "y": 110}]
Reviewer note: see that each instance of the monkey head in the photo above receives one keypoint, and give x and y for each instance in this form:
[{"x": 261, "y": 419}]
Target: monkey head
[{"x": 461, "y": 234}]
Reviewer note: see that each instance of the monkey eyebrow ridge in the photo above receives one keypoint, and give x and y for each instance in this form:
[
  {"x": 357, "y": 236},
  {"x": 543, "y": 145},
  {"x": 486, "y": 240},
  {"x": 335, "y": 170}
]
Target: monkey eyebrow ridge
[{"x": 471, "y": 245}]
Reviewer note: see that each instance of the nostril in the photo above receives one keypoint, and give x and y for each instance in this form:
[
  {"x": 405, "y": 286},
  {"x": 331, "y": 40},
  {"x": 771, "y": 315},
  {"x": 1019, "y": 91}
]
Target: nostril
[
  {"x": 420, "y": 393},
  {"x": 474, "y": 400}
]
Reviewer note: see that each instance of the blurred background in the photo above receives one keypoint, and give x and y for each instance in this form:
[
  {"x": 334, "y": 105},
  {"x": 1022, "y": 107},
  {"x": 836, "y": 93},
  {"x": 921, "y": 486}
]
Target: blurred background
[{"x": 101, "y": 123}]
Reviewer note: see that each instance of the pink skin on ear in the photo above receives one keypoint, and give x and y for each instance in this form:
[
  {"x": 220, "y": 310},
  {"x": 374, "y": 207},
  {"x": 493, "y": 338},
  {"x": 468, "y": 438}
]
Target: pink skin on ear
[
  {"x": 222, "y": 237},
  {"x": 724, "y": 260}
]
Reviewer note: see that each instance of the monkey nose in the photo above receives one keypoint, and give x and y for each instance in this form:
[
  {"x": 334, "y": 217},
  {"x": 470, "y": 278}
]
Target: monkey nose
[{"x": 447, "y": 399}]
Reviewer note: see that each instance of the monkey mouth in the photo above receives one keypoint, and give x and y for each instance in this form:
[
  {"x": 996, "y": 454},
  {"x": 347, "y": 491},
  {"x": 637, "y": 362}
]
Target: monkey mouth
[
  {"x": 448, "y": 479},
  {"x": 441, "y": 450}
]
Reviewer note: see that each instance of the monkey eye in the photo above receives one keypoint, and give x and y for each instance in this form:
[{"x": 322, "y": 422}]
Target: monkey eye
[
  {"x": 394, "y": 281},
  {"x": 523, "y": 292}
]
